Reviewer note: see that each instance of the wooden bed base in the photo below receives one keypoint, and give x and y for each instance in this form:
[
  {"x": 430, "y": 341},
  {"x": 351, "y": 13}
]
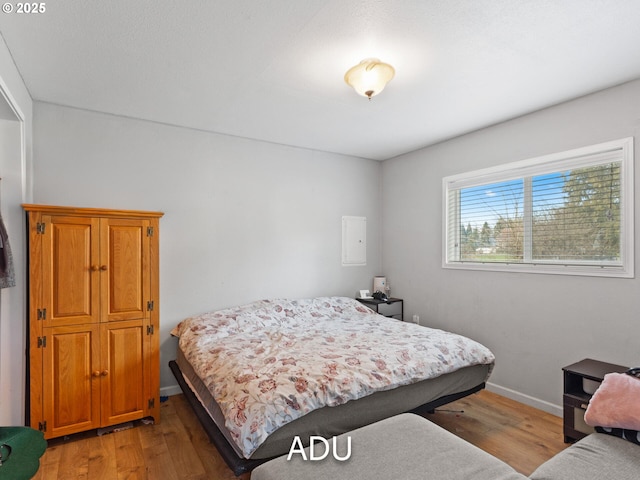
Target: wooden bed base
[{"x": 241, "y": 465}]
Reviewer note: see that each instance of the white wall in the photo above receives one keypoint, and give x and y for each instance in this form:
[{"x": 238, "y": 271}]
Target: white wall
[
  {"x": 12, "y": 306},
  {"x": 15, "y": 188},
  {"x": 535, "y": 324},
  {"x": 244, "y": 220}
]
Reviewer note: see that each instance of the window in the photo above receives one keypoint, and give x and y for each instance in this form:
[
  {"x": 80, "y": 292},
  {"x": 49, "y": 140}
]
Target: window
[{"x": 567, "y": 213}]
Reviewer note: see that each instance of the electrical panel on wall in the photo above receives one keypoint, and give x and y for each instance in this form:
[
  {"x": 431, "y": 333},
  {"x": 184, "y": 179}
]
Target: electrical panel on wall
[{"x": 354, "y": 241}]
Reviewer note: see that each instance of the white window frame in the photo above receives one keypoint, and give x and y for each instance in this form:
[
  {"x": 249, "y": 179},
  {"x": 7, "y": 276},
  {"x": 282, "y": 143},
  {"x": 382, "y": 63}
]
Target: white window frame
[{"x": 580, "y": 157}]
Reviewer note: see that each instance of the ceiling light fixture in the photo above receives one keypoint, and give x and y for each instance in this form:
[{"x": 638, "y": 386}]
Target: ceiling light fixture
[{"x": 369, "y": 77}]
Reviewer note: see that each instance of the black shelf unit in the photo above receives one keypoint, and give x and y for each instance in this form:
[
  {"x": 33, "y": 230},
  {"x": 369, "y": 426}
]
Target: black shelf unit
[
  {"x": 392, "y": 307},
  {"x": 587, "y": 373}
]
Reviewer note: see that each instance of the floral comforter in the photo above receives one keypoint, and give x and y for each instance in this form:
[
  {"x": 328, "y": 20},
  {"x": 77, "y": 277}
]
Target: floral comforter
[{"x": 272, "y": 361}]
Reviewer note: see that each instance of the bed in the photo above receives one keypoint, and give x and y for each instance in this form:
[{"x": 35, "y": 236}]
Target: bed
[{"x": 260, "y": 374}]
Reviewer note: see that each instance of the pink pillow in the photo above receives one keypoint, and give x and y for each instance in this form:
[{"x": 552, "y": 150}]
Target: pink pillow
[{"x": 616, "y": 403}]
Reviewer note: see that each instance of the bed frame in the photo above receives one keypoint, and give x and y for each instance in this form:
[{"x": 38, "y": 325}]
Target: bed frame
[{"x": 241, "y": 465}]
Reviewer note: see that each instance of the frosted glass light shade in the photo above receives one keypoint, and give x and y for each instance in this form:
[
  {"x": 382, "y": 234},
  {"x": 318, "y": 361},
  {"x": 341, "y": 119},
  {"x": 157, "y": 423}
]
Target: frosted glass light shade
[{"x": 369, "y": 77}]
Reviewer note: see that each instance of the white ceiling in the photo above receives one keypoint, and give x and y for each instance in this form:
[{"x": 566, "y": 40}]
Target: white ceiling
[{"x": 273, "y": 70}]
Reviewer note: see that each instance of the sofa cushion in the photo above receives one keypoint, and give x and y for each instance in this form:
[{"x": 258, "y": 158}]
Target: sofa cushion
[
  {"x": 596, "y": 457},
  {"x": 404, "y": 447}
]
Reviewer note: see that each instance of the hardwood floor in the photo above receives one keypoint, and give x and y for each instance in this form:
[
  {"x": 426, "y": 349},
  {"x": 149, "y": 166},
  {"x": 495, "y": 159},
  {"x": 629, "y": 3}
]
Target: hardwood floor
[
  {"x": 178, "y": 448},
  {"x": 522, "y": 436}
]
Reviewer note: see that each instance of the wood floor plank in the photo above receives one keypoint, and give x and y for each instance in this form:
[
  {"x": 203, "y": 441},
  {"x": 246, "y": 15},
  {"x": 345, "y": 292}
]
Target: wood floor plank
[
  {"x": 102, "y": 459},
  {"x": 155, "y": 450},
  {"x": 178, "y": 448},
  {"x": 128, "y": 454},
  {"x": 185, "y": 458},
  {"x": 74, "y": 460},
  {"x": 212, "y": 461}
]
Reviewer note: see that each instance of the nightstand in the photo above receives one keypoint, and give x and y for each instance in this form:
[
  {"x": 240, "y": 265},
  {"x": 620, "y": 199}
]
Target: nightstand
[
  {"x": 392, "y": 308},
  {"x": 580, "y": 382}
]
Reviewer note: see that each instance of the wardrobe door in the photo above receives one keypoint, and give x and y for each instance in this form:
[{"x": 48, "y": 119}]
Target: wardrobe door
[
  {"x": 70, "y": 271},
  {"x": 71, "y": 379},
  {"x": 124, "y": 347},
  {"x": 124, "y": 269}
]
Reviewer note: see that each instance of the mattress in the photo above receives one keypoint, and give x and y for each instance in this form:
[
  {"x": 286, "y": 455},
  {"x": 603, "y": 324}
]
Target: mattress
[{"x": 330, "y": 421}]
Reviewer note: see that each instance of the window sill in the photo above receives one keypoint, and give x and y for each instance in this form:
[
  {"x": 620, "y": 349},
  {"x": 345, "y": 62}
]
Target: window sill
[{"x": 588, "y": 271}]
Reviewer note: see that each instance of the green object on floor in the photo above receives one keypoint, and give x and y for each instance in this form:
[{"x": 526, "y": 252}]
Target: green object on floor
[{"x": 20, "y": 452}]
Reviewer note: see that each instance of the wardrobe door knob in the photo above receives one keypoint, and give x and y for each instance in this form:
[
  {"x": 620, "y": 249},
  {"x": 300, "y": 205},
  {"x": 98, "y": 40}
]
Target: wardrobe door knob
[
  {"x": 95, "y": 268},
  {"x": 105, "y": 373},
  {"x": 103, "y": 267},
  {"x": 96, "y": 373}
]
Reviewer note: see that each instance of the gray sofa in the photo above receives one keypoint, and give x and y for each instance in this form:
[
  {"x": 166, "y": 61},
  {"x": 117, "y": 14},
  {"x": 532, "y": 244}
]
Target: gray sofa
[{"x": 408, "y": 447}]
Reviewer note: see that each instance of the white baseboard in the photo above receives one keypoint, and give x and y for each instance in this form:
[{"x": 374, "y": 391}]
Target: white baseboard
[
  {"x": 170, "y": 390},
  {"x": 526, "y": 399}
]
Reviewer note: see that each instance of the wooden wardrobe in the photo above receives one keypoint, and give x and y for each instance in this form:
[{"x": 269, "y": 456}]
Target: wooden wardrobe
[{"x": 93, "y": 326}]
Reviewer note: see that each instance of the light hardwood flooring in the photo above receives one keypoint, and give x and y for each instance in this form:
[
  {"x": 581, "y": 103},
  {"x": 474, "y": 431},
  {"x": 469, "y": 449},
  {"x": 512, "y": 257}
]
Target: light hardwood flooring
[{"x": 178, "y": 447}]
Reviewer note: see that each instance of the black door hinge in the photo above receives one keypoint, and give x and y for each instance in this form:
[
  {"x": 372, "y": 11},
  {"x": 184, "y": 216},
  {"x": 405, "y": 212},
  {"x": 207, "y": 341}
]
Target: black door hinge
[
  {"x": 42, "y": 342},
  {"x": 151, "y": 403},
  {"x": 150, "y": 330},
  {"x": 150, "y": 305},
  {"x": 42, "y": 426},
  {"x": 40, "y": 228},
  {"x": 42, "y": 314},
  {"x": 149, "y": 231}
]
